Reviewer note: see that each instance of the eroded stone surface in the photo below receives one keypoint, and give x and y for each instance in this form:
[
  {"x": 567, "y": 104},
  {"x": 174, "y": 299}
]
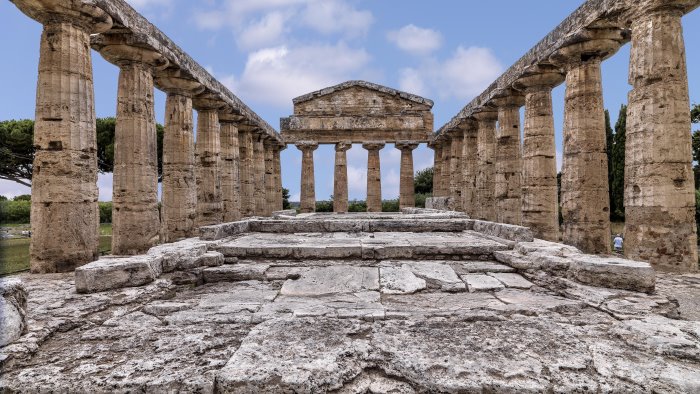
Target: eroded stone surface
[{"x": 329, "y": 280}]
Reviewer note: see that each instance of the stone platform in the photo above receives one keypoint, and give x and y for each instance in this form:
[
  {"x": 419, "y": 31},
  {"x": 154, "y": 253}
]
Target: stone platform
[{"x": 514, "y": 317}]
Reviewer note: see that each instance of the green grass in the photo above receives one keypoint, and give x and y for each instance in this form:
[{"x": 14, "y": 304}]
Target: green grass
[{"x": 14, "y": 253}]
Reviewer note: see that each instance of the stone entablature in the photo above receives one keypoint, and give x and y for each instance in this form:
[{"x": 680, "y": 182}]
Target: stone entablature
[{"x": 358, "y": 111}]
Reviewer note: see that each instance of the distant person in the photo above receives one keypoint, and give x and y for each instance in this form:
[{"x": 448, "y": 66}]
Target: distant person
[{"x": 617, "y": 243}]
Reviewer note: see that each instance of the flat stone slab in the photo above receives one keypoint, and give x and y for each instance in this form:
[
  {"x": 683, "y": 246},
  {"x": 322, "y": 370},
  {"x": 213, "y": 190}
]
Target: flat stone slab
[
  {"x": 437, "y": 275},
  {"x": 113, "y": 272},
  {"x": 479, "y": 282},
  {"x": 13, "y": 310},
  {"x": 330, "y": 280},
  {"x": 236, "y": 272},
  {"x": 399, "y": 280},
  {"x": 474, "y": 267},
  {"x": 613, "y": 272},
  {"x": 513, "y": 280}
]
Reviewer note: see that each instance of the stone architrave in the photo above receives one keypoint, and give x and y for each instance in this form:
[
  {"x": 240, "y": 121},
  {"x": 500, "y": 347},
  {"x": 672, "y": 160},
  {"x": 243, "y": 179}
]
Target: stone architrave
[
  {"x": 485, "y": 160},
  {"x": 245, "y": 146},
  {"x": 179, "y": 196},
  {"x": 374, "y": 176},
  {"x": 407, "y": 195},
  {"x": 230, "y": 172},
  {"x": 469, "y": 167},
  {"x": 340, "y": 180},
  {"x": 270, "y": 187},
  {"x": 208, "y": 161},
  {"x": 135, "y": 215},
  {"x": 507, "y": 183},
  {"x": 659, "y": 193},
  {"x": 259, "y": 174},
  {"x": 456, "y": 179},
  {"x": 279, "y": 199},
  {"x": 540, "y": 201},
  {"x": 308, "y": 187},
  {"x": 65, "y": 215},
  {"x": 585, "y": 202}
]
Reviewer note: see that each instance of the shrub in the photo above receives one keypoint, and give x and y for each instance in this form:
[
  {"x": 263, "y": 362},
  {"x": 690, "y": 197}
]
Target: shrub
[
  {"x": 105, "y": 212},
  {"x": 390, "y": 205},
  {"x": 15, "y": 211},
  {"x": 23, "y": 197},
  {"x": 324, "y": 206},
  {"x": 420, "y": 199},
  {"x": 357, "y": 206}
]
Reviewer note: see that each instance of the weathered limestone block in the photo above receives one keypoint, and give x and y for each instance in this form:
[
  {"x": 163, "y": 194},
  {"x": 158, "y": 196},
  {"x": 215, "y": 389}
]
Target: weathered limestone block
[
  {"x": 374, "y": 177},
  {"x": 584, "y": 182},
  {"x": 114, "y": 272},
  {"x": 208, "y": 162},
  {"x": 540, "y": 200},
  {"x": 230, "y": 180},
  {"x": 507, "y": 181},
  {"x": 13, "y": 310},
  {"x": 505, "y": 231},
  {"x": 437, "y": 167},
  {"x": 220, "y": 231},
  {"x": 399, "y": 280},
  {"x": 308, "y": 185},
  {"x": 135, "y": 216},
  {"x": 480, "y": 282},
  {"x": 436, "y": 275},
  {"x": 270, "y": 187},
  {"x": 340, "y": 179},
  {"x": 181, "y": 255},
  {"x": 456, "y": 177},
  {"x": 259, "y": 176},
  {"x": 613, "y": 273},
  {"x": 179, "y": 196},
  {"x": 235, "y": 273},
  {"x": 438, "y": 203},
  {"x": 485, "y": 178},
  {"x": 245, "y": 139},
  {"x": 445, "y": 169},
  {"x": 659, "y": 192},
  {"x": 512, "y": 280},
  {"x": 469, "y": 168},
  {"x": 330, "y": 280},
  {"x": 407, "y": 197},
  {"x": 65, "y": 216},
  {"x": 279, "y": 200}
]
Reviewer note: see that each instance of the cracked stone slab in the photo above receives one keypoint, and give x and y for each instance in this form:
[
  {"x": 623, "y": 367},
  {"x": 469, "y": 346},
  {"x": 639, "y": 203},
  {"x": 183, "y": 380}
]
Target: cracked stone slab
[
  {"x": 436, "y": 275},
  {"x": 399, "y": 280},
  {"x": 477, "y": 267},
  {"x": 13, "y": 310},
  {"x": 361, "y": 305},
  {"x": 113, "y": 272},
  {"x": 480, "y": 282},
  {"x": 235, "y": 272},
  {"x": 513, "y": 280},
  {"x": 335, "y": 279},
  {"x": 438, "y": 304},
  {"x": 613, "y": 272}
]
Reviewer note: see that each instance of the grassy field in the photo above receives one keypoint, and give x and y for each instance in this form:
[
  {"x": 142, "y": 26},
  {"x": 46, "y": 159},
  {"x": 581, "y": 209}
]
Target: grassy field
[{"x": 14, "y": 253}]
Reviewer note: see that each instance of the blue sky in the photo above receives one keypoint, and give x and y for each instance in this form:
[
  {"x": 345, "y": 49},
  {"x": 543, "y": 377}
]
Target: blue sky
[{"x": 270, "y": 51}]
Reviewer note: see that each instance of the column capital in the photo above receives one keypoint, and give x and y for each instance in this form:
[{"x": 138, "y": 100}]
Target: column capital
[
  {"x": 374, "y": 145},
  {"x": 648, "y": 7},
  {"x": 228, "y": 115},
  {"x": 307, "y": 146},
  {"x": 118, "y": 52},
  {"x": 86, "y": 15},
  {"x": 540, "y": 78},
  {"x": 596, "y": 44},
  {"x": 178, "y": 85},
  {"x": 406, "y": 145},
  {"x": 508, "y": 98},
  {"x": 207, "y": 102},
  {"x": 486, "y": 114},
  {"x": 343, "y": 146}
]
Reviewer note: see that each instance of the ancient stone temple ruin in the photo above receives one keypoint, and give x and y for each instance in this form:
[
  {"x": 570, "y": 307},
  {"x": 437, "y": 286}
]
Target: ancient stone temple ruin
[{"x": 221, "y": 290}]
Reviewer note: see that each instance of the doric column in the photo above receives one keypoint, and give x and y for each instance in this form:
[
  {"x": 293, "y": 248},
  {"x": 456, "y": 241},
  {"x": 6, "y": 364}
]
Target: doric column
[
  {"x": 507, "y": 184},
  {"x": 135, "y": 215},
  {"x": 456, "y": 178},
  {"x": 585, "y": 201},
  {"x": 210, "y": 207},
  {"x": 245, "y": 146},
  {"x": 279, "y": 200},
  {"x": 437, "y": 164},
  {"x": 540, "y": 202},
  {"x": 65, "y": 216},
  {"x": 270, "y": 183},
  {"x": 308, "y": 187},
  {"x": 485, "y": 163},
  {"x": 659, "y": 186},
  {"x": 407, "y": 192},
  {"x": 469, "y": 167},
  {"x": 179, "y": 196},
  {"x": 259, "y": 174},
  {"x": 230, "y": 171},
  {"x": 340, "y": 180},
  {"x": 374, "y": 176},
  {"x": 445, "y": 168}
]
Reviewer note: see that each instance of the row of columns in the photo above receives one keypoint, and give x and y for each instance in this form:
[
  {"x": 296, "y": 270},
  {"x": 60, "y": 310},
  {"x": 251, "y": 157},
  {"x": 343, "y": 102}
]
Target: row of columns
[
  {"x": 340, "y": 185},
  {"x": 497, "y": 177},
  {"x": 204, "y": 182}
]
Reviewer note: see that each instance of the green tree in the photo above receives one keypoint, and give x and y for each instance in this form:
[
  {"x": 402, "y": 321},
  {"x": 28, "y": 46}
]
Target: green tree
[
  {"x": 285, "y": 199},
  {"x": 17, "y": 151},
  {"x": 23, "y": 197},
  {"x": 423, "y": 181},
  {"x": 617, "y": 177},
  {"x": 106, "y": 128}
]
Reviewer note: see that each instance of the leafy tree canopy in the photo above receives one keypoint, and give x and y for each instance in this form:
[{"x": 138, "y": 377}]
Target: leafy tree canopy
[{"x": 423, "y": 181}]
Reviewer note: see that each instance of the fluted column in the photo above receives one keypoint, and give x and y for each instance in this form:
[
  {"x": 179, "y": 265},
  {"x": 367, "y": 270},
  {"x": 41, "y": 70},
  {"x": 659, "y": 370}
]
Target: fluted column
[
  {"x": 65, "y": 216},
  {"x": 259, "y": 174},
  {"x": 485, "y": 162},
  {"x": 407, "y": 190},
  {"x": 245, "y": 146},
  {"x": 270, "y": 183},
  {"x": 659, "y": 185},
  {"x": 135, "y": 215},
  {"x": 179, "y": 196},
  {"x": 540, "y": 202},
  {"x": 279, "y": 200},
  {"x": 210, "y": 207},
  {"x": 507, "y": 188},
  {"x": 469, "y": 167},
  {"x": 308, "y": 186},
  {"x": 585, "y": 201},
  {"x": 340, "y": 180},
  {"x": 230, "y": 171},
  {"x": 456, "y": 178},
  {"x": 437, "y": 168},
  {"x": 445, "y": 168},
  {"x": 374, "y": 176}
]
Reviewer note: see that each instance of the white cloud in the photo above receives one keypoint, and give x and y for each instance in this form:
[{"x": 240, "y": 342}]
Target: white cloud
[
  {"x": 463, "y": 76},
  {"x": 335, "y": 16},
  {"x": 268, "y": 30},
  {"x": 142, "y": 4},
  {"x": 416, "y": 40},
  {"x": 276, "y": 75},
  {"x": 410, "y": 80}
]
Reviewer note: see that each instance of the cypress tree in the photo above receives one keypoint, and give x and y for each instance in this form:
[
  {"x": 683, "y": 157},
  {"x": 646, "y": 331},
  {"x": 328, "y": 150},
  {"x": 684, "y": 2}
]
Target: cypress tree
[{"x": 617, "y": 206}]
